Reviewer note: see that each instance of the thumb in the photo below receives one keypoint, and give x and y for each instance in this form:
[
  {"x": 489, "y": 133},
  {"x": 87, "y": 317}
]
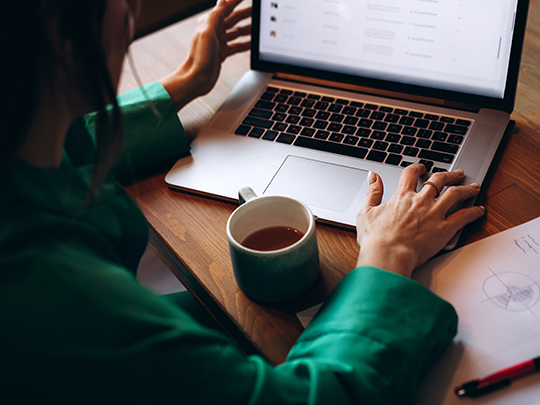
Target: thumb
[{"x": 375, "y": 190}]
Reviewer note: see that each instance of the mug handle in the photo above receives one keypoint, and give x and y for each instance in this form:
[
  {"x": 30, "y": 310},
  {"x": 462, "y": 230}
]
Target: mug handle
[{"x": 246, "y": 194}]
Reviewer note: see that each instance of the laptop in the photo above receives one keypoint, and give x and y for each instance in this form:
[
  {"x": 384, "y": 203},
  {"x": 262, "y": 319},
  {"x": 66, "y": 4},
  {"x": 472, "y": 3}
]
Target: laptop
[{"x": 338, "y": 88}]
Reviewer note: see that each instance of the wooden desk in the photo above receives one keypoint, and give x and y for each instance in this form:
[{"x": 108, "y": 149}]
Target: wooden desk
[{"x": 189, "y": 231}]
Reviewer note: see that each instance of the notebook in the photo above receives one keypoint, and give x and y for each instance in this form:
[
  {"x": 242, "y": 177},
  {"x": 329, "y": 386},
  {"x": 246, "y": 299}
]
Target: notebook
[{"x": 338, "y": 88}]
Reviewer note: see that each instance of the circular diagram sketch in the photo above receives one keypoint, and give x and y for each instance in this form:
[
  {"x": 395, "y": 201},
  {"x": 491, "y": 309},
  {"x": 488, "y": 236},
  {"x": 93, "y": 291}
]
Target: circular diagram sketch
[{"x": 512, "y": 291}]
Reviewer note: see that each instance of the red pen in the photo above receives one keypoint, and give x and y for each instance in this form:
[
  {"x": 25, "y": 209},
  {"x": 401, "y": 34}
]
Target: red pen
[{"x": 500, "y": 379}]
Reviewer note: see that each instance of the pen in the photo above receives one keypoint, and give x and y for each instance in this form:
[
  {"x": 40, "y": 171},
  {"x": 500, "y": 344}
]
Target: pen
[{"x": 499, "y": 379}]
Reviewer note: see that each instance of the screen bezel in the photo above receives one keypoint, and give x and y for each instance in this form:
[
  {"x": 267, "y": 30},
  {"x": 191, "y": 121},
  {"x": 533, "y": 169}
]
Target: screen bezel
[{"x": 450, "y": 97}]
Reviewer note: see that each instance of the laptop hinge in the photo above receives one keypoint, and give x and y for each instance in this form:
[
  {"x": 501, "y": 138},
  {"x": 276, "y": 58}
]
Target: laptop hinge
[{"x": 376, "y": 92}]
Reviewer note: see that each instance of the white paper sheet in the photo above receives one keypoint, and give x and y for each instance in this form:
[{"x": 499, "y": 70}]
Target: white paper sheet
[{"x": 494, "y": 285}]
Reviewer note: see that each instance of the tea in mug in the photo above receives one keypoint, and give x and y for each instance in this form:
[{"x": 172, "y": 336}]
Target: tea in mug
[{"x": 272, "y": 238}]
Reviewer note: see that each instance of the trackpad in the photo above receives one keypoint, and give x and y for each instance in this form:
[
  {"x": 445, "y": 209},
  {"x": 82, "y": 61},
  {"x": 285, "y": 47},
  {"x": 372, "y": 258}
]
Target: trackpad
[{"x": 318, "y": 184}]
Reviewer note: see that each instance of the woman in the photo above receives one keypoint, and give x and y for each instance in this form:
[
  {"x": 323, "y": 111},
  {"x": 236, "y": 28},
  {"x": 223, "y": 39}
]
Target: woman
[{"x": 76, "y": 325}]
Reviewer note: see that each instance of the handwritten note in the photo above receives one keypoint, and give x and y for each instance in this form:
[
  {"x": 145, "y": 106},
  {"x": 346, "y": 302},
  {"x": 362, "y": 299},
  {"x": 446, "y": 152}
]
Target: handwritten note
[{"x": 494, "y": 285}]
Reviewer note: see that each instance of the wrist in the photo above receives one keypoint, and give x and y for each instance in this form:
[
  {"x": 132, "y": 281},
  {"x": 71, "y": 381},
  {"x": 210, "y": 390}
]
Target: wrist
[
  {"x": 393, "y": 258},
  {"x": 182, "y": 85}
]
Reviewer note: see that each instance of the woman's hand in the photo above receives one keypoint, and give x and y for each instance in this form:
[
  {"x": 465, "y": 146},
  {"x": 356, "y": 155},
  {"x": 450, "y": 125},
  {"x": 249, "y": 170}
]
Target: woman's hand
[
  {"x": 411, "y": 227},
  {"x": 212, "y": 42}
]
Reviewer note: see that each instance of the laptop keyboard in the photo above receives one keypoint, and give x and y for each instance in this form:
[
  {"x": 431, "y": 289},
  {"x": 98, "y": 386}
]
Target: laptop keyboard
[{"x": 374, "y": 132}]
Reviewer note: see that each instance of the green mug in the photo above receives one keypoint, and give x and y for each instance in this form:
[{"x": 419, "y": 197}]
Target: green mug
[{"x": 273, "y": 246}]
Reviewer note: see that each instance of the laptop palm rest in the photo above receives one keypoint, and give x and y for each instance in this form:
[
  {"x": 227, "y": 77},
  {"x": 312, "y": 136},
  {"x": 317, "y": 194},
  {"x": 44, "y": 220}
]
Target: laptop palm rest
[{"x": 318, "y": 184}]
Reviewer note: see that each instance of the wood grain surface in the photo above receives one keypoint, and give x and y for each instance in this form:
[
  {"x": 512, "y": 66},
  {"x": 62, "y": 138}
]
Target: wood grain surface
[{"x": 189, "y": 230}]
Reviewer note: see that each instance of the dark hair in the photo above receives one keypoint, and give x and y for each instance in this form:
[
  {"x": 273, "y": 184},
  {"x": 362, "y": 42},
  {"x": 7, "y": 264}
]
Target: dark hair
[{"x": 29, "y": 58}]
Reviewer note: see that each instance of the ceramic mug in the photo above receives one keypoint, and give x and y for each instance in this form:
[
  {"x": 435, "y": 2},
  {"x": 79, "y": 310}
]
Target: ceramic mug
[{"x": 267, "y": 273}]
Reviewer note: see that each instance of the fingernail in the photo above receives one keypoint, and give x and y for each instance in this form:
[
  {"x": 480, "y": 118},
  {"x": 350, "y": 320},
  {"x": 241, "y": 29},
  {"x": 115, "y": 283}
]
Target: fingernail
[
  {"x": 482, "y": 208},
  {"x": 459, "y": 171},
  {"x": 371, "y": 177},
  {"x": 475, "y": 185}
]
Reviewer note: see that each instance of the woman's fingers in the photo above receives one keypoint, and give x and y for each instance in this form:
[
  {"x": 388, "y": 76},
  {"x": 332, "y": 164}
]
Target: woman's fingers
[
  {"x": 375, "y": 190},
  {"x": 231, "y": 35},
  {"x": 236, "y": 17},
  {"x": 409, "y": 177}
]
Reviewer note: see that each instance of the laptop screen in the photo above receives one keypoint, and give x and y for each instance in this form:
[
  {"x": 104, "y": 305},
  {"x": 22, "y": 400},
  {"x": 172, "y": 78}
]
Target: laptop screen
[{"x": 455, "y": 46}]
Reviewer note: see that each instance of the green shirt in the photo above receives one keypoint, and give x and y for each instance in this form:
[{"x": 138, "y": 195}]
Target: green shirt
[{"x": 78, "y": 328}]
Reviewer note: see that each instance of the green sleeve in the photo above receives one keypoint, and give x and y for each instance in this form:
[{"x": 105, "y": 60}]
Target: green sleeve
[
  {"x": 100, "y": 337},
  {"x": 152, "y": 130}
]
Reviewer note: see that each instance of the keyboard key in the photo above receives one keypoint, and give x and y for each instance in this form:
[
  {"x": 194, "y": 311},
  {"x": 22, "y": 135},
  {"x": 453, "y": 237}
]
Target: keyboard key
[
  {"x": 292, "y": 119},
  {"x": 393, "y": 159},
  {"x": 406, "y": 120},
  {"x": 349, "y": 130},
  {"x": 455, "y": 139},
  {"x": 279, "y": 126},
  {"x": 426, "y": 163},
  {"x": 294, "y": 101},
  {"x": 400, "y": 111},
  {"x": 337, "y": 117},
  {"x": 242, "y": 130},
  {"x": 439, "y": 136},
  {"x": 416, "y": 114},
  {"x": 410, "y": 131},
  {"x": 431, "y": 117},
  {"x": 371, "y": 107},
  {"x": 410, "y": 151},
  {"x": 376, "y": 156},
  {"x": 407, "y": 140},
  {"x": 465, "y": 123},
  {"x": 380, "y": 145},
  {"x": 300, "y": 94},
  {"x": 320, "y": 124},
  {"x": 256, "y": 132},
  {"x": 436, "y": 156},
  {"x": 395, "y": 128},
  {"x": 306, "y": 122},
  {"x": 363, "y": 113},
  {"x": 356, "y": 104},
  {"x": 381, "y": 126},
  {"x": 365, "y": 123},
  {"x": 281, "y": 108},
  {"x": 386, "y": 109},
  {"x": 456, "y": 129},
  {"x": 377, "y": 115},
  {"x": 405, "y": 163},
  {"x": 295, "y": 110},
  {"x": 280, "y": 98},
  {"x": 351, "y": 140},
  {"x": 265, "y": 105},
  {"x": 444, "y": 147},
  {"x": 436, "y": 126},
  {"x": 287, "y": 138},
  {"x": 335, "y": 137},
  {"x": 438, "y": 170},
  {"x": 267, "y": 96},
  {"x": 279, "y": 117},
  {"x": 257, "y": 122},
  {"x": 322, "y": 115},
  {"x": 393, "y": 118},
  {"x": 363, "y": 132},
  {"x": 419, "y": 123},
  {"x": 294, "y": 129},
  {"x": 394, "y": 148},
  {"x": 272, "y": 89},
  {"x": 365, "y": 142},
  {"x": 424, "y": 143},
  {"x": 331, "y": 147},
  {"x": 307, "y": 103},
  {"x": 350, "y": 120},
  {"x": 286, "y": 92},
  {"x": 380, "y": 135},
  {"x": 328, "y": 99},
  {"x": 309, "y": 113},
  {"x": 424, "y": 133},
  {"x": 321, "y": 106},
  {"x": 270, "y": 135},
  {"x": 447, "y": 120},
  {"x": 335, "y": 108},
  {"x": 314, "y": 97},
  {"x": 333, "y": 127},
  {"x": 342, "y": 101},
  {"x": 322, "y": 134},
  {"x": 307, "y": 132},
  {"x": 349, "y": 111}
]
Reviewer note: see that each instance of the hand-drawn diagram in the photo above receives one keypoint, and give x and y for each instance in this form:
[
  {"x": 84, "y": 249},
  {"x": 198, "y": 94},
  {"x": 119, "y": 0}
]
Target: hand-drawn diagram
[{"x": 512, "y": 291}]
